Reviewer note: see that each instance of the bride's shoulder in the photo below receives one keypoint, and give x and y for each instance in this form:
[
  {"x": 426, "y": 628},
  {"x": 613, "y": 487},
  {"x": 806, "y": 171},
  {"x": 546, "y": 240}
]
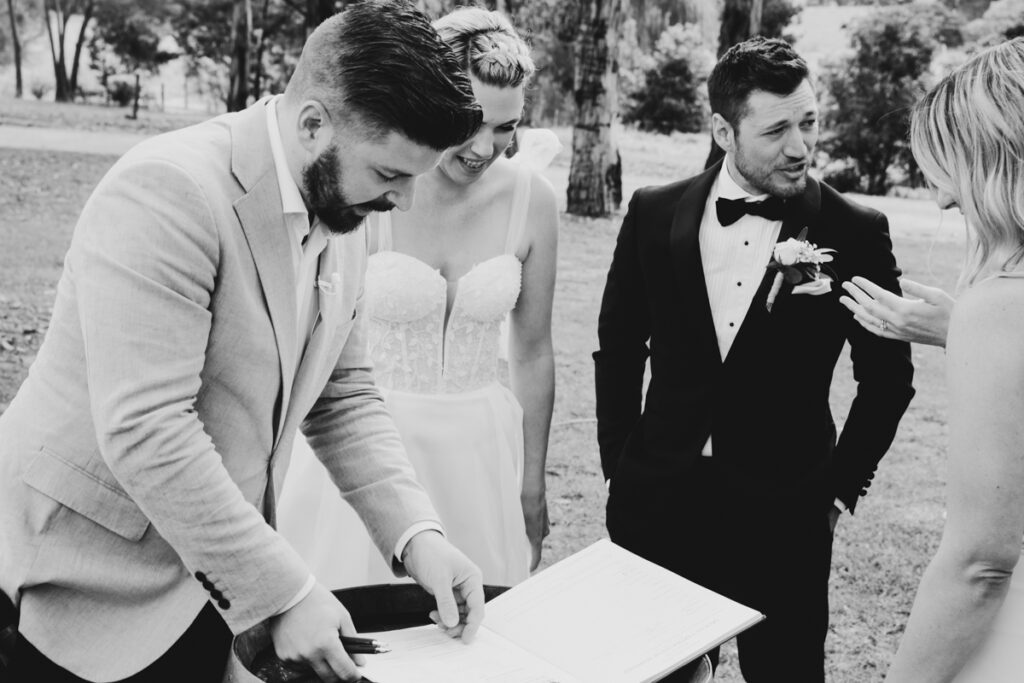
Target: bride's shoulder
[
  {"x": 996, "y": 291},
  {"x": 990, "y": 315}
]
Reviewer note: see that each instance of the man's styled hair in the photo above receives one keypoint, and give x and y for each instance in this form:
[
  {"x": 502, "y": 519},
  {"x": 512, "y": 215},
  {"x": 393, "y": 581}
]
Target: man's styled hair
[
  {"x": 768, "y": 64},
  {"x": 487, "y": 45},
  {"x": 381, "y": 65},
  {"x": 967, "y": 135}
]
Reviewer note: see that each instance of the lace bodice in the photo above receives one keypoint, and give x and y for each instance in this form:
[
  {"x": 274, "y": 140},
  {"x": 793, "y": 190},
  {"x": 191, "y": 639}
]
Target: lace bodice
[{"x": 411, "y": 347}]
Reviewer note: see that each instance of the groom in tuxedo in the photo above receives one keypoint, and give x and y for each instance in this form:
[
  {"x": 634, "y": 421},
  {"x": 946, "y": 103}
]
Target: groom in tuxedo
[
  {"x": 731, "y": 473},
  {"x": 210, "y": 303}
]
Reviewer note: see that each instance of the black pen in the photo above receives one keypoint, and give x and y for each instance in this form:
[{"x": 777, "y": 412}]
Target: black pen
[{"x": 363, "y": 646}]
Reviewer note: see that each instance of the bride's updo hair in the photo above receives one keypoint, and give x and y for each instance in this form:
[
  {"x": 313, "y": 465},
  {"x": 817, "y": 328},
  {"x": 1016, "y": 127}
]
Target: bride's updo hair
[
  {"x": 487, "y": 45},
  {"x": 967, "y": 135}
]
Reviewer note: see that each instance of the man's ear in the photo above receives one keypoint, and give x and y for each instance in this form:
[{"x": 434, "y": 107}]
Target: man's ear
[
  {"x": 314, "y": 126},
  {"x": 723, "y": 133}
]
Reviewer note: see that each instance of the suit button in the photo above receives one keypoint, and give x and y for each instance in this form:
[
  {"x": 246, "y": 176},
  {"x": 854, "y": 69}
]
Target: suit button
[
  {"x": 223, "y": 604},
  {"x": 207, "y": 585},
  {"x": 201, "y": 577},
  {"x": 216, "y": 594}
]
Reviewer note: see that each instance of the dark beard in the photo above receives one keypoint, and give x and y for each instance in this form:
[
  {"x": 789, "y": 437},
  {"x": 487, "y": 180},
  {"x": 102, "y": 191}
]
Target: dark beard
[
  {"x": 322, "y": 181},
  {"x": 762, "y": 180}
]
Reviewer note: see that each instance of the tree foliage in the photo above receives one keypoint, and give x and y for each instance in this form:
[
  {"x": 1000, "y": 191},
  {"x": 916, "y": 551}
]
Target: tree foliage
[
  {"x": 669, "y": 94},
  {"x": 127, "y": 38},
  {"x": 873, "y": 89},
  {"x": 1002, "y": 20},
  {"x": 970, "y": 9},
  {"x": 670, "y": 100},
  {"x": 206, "y": 31}
]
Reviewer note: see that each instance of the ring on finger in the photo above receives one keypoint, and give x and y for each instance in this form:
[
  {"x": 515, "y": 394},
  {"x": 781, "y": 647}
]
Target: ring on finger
[{"x": 882, "y": 325}]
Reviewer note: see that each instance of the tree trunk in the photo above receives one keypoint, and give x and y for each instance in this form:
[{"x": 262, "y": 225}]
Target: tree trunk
[
  {"x": 16, "y": 42},
  {"x": 86, "y": 18},
  {"x": 756, "y": 12},
  {"x": 241, "y": 31},
  {"x": 594, "y": 158},
  {"x": 56, "y": 23},
  {"x": 316, "y": 12},
  {"x": 135, "y": 100}
]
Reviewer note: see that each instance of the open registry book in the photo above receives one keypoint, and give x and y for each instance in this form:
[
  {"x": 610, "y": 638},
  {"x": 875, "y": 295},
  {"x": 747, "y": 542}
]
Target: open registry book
[{"x": 603, "y": 615}]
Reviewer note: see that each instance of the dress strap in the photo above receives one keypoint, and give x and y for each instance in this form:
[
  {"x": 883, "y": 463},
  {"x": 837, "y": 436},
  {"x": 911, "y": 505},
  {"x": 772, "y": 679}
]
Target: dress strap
[{"x": 520, "y": 209}]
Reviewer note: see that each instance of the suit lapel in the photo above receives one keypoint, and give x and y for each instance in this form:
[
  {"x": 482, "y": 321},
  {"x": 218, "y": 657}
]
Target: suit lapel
[
  {"x": 261, "y": 216},
  {"x": 687, "y": 264}
]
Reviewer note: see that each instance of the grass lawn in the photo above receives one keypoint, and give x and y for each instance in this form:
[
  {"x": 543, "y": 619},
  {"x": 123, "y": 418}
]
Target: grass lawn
[
  {"x": 27, "y": 112},
  {"x": 879, "y": 554}
]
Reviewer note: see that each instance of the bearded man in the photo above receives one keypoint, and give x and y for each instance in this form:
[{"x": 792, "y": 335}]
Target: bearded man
[{"x": 211, "y": 301}]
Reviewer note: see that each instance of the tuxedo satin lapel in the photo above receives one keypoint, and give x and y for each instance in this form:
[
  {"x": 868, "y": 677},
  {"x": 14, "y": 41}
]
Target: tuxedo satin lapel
[
  {"x": 261, "y": 216},
  {"x": 801, "y": 211},
  {"x": 686, "y": 261}
]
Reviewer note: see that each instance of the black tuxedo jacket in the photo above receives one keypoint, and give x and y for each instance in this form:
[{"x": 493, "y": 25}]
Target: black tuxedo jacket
[{"x": 766, "y": 405}]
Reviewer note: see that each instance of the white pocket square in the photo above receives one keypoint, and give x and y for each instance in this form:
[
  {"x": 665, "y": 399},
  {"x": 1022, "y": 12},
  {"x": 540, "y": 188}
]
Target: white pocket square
[
  {"x": 331, "y": 286},
  {"x": 823, "y": 285}
]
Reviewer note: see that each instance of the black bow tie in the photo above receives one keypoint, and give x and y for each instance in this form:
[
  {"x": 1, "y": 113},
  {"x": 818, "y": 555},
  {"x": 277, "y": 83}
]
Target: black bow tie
[{"x": 731, "y": 210}]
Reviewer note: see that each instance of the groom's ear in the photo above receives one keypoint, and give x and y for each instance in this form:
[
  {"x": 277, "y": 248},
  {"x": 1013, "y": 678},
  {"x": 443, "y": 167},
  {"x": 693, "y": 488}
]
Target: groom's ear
[
  {"x": 723, "y": 133},
  {"x": 314, "y": 126}
]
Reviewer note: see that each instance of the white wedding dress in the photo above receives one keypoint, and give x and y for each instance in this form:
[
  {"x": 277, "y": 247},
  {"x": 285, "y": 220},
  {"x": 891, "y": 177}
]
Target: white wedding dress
[{"x": 462, "y": 428}]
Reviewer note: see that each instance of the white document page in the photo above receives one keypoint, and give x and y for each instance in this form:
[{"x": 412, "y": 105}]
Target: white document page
[
  {"x": 605, "y": 614},
  {"x": 426, "y": 655}
]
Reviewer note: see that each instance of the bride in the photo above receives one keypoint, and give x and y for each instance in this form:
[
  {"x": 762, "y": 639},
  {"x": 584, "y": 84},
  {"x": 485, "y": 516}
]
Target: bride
[{"x": 478, "y": 245}]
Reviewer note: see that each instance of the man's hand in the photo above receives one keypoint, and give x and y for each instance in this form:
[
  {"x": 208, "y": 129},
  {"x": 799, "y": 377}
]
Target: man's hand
[
  {"x": 307, "y": 634},
  {"x": 453, "y": 580},
  {"x": 922, "y": 316},
  {"x": 535, "y": 514}
]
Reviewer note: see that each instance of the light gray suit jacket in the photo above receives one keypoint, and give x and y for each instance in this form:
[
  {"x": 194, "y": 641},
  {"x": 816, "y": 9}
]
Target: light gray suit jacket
[{"x": 139, "y": 460}]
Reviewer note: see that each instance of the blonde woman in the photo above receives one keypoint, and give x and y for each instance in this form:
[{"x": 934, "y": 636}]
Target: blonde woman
[
  {"x": 967, "y": 623},
  {"x": 478, "y": 245}
]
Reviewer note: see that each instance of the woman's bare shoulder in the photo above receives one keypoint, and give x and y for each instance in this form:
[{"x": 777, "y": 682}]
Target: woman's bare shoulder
[{"x": 988, "y": 317}]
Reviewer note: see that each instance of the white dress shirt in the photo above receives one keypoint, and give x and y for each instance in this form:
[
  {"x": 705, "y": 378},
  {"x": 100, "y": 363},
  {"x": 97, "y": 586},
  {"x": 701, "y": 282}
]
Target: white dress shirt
[
  {"x": 734, "y": 258},
  {"x": 308, "y": 246}
]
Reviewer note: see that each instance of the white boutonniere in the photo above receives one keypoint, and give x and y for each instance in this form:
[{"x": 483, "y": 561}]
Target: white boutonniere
[
  {"x": 331, "y": 286},
  {"x": 798, "y": 262}
]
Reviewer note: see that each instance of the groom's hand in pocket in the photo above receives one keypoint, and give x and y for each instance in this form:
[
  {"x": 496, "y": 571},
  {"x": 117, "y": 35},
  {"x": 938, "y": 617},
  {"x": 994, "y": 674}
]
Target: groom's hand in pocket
[
  {"x": 307, "y": 636},
  {"x": 452, "y": 578}
]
